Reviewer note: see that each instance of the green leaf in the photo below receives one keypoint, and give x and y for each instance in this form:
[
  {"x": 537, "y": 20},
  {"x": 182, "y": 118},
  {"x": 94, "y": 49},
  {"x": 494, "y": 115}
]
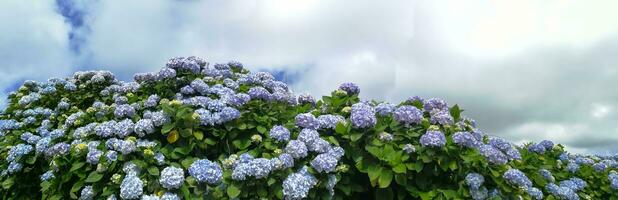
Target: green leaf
[
  {"x": 198, "y": 135},
  {"x": 210, "y": 141},
  {"x": 153, "y": 171},
  {"x": 167, "y": 128},
  {"x": 386, "y": 177},
  {"x": 456, "y": 112},
  {"x": 400, "y": 169},
  {"x": 185, "y": 133},
  {"x": 341, "y": 129},
  {"x": 6, "y": 184},
  {"x": 76, "y": 166},
  {"x": 261, "y": 129},
  {"x": 241, "y": 143},
  {"x": 355, "y": 136},
  {"x": 94, "y": 177},
  {"x": 233, "y": 191},
  {"x": 185, "y": 191}
]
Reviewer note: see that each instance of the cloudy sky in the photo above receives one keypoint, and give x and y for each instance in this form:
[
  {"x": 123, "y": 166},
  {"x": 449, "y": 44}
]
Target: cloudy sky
[{"x": 528, "y": 70}]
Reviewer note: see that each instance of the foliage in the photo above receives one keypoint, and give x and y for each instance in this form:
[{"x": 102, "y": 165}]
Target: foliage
[{"x": 194, "y": 131}]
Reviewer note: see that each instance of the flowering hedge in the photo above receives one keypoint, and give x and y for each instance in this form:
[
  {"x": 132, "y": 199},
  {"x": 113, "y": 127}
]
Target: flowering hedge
[{"x": 194, "y": 131}]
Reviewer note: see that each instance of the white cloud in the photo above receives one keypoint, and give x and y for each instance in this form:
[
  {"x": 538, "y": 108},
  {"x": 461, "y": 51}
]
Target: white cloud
[
  {"x": 525, "y": 70},
  {"x": 33, "y": 42}
]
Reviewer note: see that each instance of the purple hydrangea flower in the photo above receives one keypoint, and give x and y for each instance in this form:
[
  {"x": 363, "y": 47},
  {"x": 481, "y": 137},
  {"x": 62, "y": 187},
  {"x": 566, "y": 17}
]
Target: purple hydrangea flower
[
  {"x": 385, "y": 108},
  {"x": 297, "y": 185},
  {"x": 172, "y": 177},
  {"x": 307, "y": 120},
  {"x": 259, "y": 93},
  {"x": 493, "y": 155},
  {"x": 599, "y": 167},
  {"x": 131, "y": 187},
  {"x": 408, "y": 115},
  {"x": 613, "y": 179},
  {"x": 433, "y": 139},
  {"x": 279, "y": 133},
  {"x": 105, "y": 129},
  {"x": 575, "y": 184},
  {"x": 442, "y": 117},
  {"x": 362, "y": 116},
  {"x": 326, "y": 162},
  {"x": 479, "y": 194},
  {"x": 535, "y": 193},
  {"x": 474, "y": 180},
  {"x": 200, "y": 86},
  {"x": 465, "y": 139},
  {"x": 204, "y": 170},
  {"x": 330, "y": 121},
  {"x": 143, "y": 127},
  {"x": 434, "y": 103},
  {"x": 296, "y": 149},
  {"x": 350, "y": 88},
  {"x": 306, "y": 99},
  {"x": 124, "y": 110},
  {"x": 518, "y": 178},
  {"x": 18, "y": 151},
  {"x": 546, "y": 174},
  {"x": 561, "y": 192}
]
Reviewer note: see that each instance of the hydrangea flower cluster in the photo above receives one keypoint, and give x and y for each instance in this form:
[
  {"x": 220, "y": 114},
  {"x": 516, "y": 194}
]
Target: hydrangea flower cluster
[
  {"x": 433, "y": 139},
  {"x": 189, "y": 115}
]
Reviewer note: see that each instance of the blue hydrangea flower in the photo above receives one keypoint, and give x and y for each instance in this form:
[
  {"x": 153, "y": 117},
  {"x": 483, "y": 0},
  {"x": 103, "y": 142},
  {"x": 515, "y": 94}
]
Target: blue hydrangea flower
[
  {"x": 200, "y": 86},
  {"x": 442, "y": 117},
  {"x": 613, "y": 179},
  {"x": 111, "y": 156},
  {"x": 159, "y": 118},
  {"x": 170, "y": 196},
  {"x": 599, "y": 167},
  {"x": 287, "y": 160},
  {"x": 144, "y": 127},
  {"x": 536, "y": 148},
  {"x": 409, "y": 148},
  {"x": 47, "y": 176},
  {"x": 330, "y": 121},
  {"x": 279, "y": 133},
  {"x": 535, "y": 193},
  {"x": 30, "y": 138},
  {"x": 474, "y": 180},
  {"x": 58, "y": 149},
  {"x": 124, "y": 110},
  {"x": 327, "y": 162},
  {"x": 500, "y": 143},
  {"x": 572, "y": 167},
  {"x": 131, "y": 187},
  {"x": 204, "y": 170},
  {"x": 434, "y": 103},
  {"x": 518, "y": 178},
  {"x": 152, "y": 101},
  {"x": 575, "y": 184},
  {"x": 14, "y": 167},
  {"x": 306, "y": 99},
  {"x": 362, "y": 116},
  {"x": 479, "y": 194},
  {"x": 172, "y": 177},
  {"x": 296, "y": 149},
  {"x": 433, "y": 139},
  {"x": 87, "y": 193},
  {"x": 408, "y": 115},
  {"x": 105, "y": 129},
  {"x": 307, "y": 120},
  {"x": 18, "y": 151},
  {"x": 93, "y": 156},
  {"x": 160, "y": 158},
  {"x": 561, "y": 192},
  {"x": 229, "y": 114},
  {"x": 547, "y": 144},
  {"x": 297, "y": 185},
  {"x": 124, "y": 128},
  {"x": 259, "y": 93},
  {"x": 513, "y": 154},
  {"x": 547, "y": 175},
  {"x": 384, "y": 109},
  {"x": 493, "y": 155},
  {"x": 465, "y": 139},
  {"x": 350, "y": 88}
]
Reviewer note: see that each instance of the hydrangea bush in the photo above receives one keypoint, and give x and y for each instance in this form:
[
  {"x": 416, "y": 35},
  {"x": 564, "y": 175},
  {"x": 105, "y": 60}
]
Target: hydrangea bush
[{"x": 196, "y": 131}]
